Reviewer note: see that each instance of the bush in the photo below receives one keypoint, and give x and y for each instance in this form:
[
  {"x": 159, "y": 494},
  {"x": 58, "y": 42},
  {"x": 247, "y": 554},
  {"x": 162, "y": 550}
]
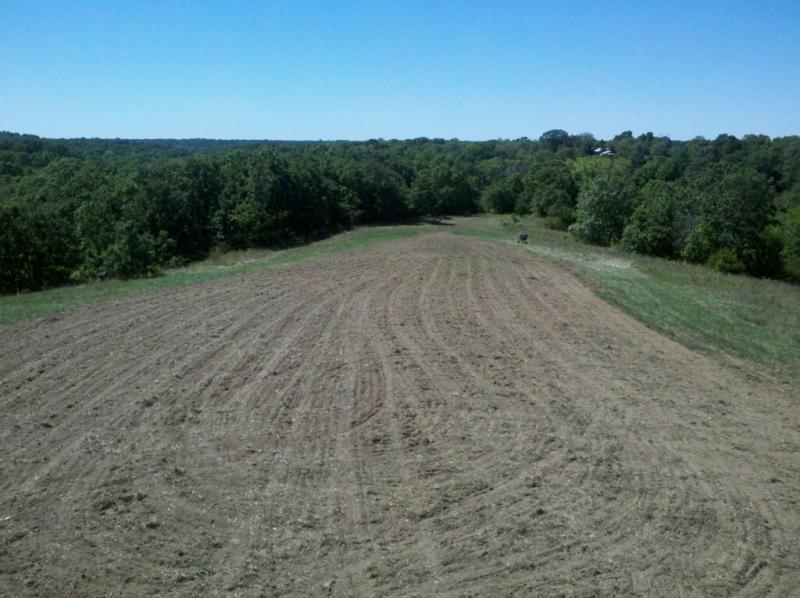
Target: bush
[
  {"x": 130, "y": 253},
  {"x": 562, "y": 207},
  {"x": 725, "y": 260}
]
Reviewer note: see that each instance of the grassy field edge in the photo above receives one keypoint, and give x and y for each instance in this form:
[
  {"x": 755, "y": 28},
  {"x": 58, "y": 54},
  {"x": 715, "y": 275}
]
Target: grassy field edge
[
  {"x": 740, "y": 316},
  {"x": 14, "y": 308}
]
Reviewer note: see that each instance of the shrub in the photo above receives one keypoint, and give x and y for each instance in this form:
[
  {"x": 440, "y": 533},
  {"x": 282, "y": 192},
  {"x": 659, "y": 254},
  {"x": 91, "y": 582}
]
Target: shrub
[{"x": 726, "y": 260}]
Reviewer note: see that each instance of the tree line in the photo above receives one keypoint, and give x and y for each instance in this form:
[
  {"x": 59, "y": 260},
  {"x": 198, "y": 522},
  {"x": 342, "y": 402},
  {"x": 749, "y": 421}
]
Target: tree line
[{"x": 85, "y": 209}]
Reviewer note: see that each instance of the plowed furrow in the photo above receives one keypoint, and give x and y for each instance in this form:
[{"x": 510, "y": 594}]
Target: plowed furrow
[{"x": 434, "y": 416}]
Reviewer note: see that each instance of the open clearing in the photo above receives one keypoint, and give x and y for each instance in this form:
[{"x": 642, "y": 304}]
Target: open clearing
[{"x": 432, "y": 415}]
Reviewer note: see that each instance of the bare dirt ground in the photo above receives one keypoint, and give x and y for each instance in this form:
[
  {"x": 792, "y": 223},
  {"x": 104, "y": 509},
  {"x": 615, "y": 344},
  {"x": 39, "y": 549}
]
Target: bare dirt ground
[{"x": 437, "y": 415}]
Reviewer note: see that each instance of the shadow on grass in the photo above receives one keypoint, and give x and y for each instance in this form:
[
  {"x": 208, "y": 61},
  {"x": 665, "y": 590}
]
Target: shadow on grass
[{"x": 443, "y": 221}]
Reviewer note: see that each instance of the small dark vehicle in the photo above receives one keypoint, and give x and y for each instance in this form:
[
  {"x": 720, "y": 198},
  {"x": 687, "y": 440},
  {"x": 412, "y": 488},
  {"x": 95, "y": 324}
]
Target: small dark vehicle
[{"x": 523, "y": 238}]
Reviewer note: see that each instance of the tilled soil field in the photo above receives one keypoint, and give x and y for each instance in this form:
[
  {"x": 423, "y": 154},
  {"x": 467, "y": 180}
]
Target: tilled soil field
[{"x": 437, "y": 415}]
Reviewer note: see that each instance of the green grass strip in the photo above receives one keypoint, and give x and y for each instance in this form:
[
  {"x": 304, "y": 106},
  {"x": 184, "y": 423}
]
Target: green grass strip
[
  {"x": 750, "y": 318},
  {"x": 14, "y": 308}
]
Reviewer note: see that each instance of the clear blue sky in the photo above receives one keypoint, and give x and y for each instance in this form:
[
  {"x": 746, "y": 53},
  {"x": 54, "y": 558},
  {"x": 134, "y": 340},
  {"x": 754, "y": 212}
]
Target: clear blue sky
[{"x": 343, "y": 69}]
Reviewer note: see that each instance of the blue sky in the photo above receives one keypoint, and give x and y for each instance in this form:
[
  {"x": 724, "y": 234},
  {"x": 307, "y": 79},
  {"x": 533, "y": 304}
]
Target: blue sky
[{"x": 343, "y": 69}]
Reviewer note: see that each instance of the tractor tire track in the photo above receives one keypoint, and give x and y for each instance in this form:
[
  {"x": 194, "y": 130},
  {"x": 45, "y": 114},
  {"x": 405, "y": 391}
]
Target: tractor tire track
[{"x": 438, "y": 415}]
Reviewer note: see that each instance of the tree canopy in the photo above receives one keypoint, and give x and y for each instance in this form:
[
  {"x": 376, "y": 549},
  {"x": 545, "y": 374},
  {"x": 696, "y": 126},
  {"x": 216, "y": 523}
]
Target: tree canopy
[{"x": 84, "y": 209}]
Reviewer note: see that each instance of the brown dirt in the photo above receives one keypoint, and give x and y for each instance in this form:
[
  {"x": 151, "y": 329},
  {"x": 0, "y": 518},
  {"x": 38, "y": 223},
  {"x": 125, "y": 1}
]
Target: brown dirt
[{"x": 437, "y": 415}]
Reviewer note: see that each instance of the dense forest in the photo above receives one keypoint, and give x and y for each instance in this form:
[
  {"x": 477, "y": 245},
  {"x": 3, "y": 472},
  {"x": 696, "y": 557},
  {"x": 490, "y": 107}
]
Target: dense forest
[{"x": 73, "y": 210}]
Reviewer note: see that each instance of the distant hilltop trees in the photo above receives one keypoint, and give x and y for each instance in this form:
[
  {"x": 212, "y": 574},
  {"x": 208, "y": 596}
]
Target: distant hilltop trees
[{"x": 73, "y": 210}]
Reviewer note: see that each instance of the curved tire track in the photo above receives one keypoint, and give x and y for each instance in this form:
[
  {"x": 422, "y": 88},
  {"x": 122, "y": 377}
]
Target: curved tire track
[{"x": 437, "y": 415}]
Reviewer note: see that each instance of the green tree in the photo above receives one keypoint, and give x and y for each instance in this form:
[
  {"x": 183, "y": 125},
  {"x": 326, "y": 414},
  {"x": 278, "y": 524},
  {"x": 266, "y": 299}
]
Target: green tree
[
  {"x": 659, "y": 224},
  {"x": 605, "y": 199},
  {"x": 36, "y": 248},
  {"x": 791, "y": 242},
  {"x": 441, "y": 188},
  {"x": 504, "y": 196},
  {"x": 734, "y": 214},
  {"x": 554, "y": 139},
  {"x": 551, "y": 191}
]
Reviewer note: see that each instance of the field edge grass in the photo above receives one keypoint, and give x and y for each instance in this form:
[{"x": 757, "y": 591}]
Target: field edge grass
[
  {"x": 757, "y": 320},
  {"x": 24, "y": 306}
]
